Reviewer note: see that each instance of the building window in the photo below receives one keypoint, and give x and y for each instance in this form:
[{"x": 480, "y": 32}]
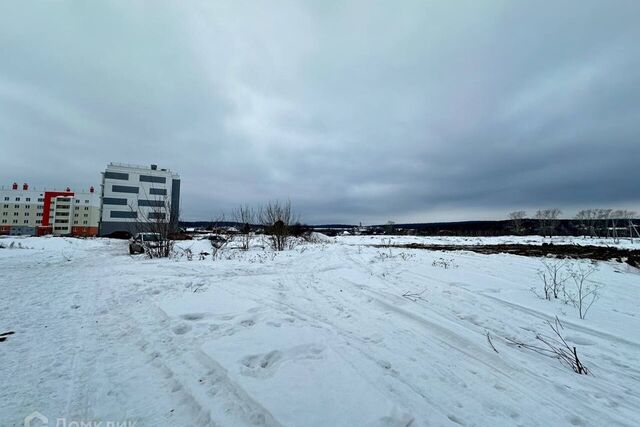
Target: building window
[
  {"x": 6, "y": 198},
  {"x": 39, "y": 214},
  {"x": 17, "y": 199},
  {"x": 28, "y": 199},
  {"x": 75, "y": 222},
  {"x": 76, "y": 215},
  {"x": 124, "y": 189},
  {"x": 86, "y": 201},
  {"x": 40, "y": 206},
  {"x": 156, "y": 179},
  {"x": 41, "y": 199},
  {"x": 86, "y": 208},
  {"x": 152, "y": 203},
  {"x": 26, "y": 214},
  {"x": 6, "y": 206},
  {"x": 5, "y": 213},
  {"x": 4, "y": 221},
  {"x": 123, "y": 214},
  {"x": 27, "y": 207},
  {"x": 26, "y": 221},
  {"x": 114, "y": 201},
  {"x": 77, "y": 201},
  {"x": 84, "y": 222},
  {"x": 15, "y": 214},
  {"x": 16, "y": 206},
  {"x": 86, "y": 215},
  {"x": 15, "y": 221},
  {"x": 157, "y": 215},
  {"x": 158, "y": 191},
  {"x": 117, "y": 175},
  {"x": 38, "y": 221}
]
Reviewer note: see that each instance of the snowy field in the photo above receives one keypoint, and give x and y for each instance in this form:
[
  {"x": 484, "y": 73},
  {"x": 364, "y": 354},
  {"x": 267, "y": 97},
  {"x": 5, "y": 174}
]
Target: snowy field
[
  {"x": 320, "y": 335},
  {"x": 623, "y": 243}
]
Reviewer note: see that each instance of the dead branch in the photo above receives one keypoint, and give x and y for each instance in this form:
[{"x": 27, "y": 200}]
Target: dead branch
[
  {"x": 491, "y": 343},
  {"x": 414, "y": 296},
  {"x": 556, "y": 347}
]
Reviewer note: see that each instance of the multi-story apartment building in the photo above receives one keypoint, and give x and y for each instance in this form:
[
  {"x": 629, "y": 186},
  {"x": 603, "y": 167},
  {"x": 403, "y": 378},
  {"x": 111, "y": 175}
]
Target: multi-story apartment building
[
  {"x": 135, "y": 196},
  {"x": 39, "y": 212}
]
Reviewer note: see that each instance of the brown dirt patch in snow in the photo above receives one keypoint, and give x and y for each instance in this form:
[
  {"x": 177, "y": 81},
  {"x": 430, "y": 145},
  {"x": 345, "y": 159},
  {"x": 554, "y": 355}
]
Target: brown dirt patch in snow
[{"x": 600, "y": 253}]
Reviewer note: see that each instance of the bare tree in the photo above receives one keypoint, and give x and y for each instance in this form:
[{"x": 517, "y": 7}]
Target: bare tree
[
  {"x": 390, "y": 228},
  {"x": 548, "y": 220},
  {"x": 245, "y": 217},
  {"x": 155, "y": 217},
  {"x": 276, "y": 218},
  {"x": 622, "y": 219},
  {"x": 588, "y": 219},
  {"x": 603, "y": 221},
  {"x": 585, "y": 292},
  {"x": 633, "y": 229},
  {"x": 517, "y": 218}
]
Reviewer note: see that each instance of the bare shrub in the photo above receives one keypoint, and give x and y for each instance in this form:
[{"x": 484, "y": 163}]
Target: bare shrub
[
  {"x": 555, "y": 346},
  {"x": 584, "y": 293},
  {"x": 276, "y": 218},
  {"x": 406, "y": 256},
  {"x": 220, "y": 239},
  {"x": 444, "y": 263},
  {"x": 553, "y": 277},
  {"x": 245, "y": 217}
]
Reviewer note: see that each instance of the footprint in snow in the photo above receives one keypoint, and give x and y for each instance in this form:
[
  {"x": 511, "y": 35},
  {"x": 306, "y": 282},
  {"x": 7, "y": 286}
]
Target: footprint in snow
[
  {"x": 181, "y": 329},
  {"x": 193, "y": 316},
  {"x": 248, "y": 323},
  {"x": 455, "y": 419},
  {"x": 261, "y": 364}
]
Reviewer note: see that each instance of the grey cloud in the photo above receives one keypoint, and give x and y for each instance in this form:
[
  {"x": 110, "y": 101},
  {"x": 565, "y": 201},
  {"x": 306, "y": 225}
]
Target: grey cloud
[{"x": 355, "y": 111}]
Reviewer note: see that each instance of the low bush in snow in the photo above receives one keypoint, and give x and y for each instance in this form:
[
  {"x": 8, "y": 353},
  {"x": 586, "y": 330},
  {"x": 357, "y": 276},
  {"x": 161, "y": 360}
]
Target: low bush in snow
[{"x": 570, "y": 283}]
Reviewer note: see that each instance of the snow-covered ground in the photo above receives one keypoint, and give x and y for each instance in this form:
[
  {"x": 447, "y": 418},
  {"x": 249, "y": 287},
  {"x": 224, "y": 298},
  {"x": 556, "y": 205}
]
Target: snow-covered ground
[{"x": 320, "y": 335}]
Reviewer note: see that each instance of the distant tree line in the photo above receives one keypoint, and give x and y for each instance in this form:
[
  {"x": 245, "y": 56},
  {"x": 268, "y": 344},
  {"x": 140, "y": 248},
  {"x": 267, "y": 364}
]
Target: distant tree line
[{"x": 603, "y": 223}]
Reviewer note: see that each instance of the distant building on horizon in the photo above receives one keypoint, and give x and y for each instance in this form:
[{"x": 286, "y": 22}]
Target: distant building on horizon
[
  {"x": 32, "y": 212},
  {"x": 132, "y": 196}
]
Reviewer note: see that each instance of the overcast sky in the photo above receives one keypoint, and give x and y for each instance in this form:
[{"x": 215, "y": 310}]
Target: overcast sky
[{"x": 354, "y": 110}]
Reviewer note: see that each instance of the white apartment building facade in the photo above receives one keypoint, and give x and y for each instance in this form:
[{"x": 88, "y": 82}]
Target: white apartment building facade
[
  {"x": 25, "y": 211},
  {"x": 132, "y": 196}
]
